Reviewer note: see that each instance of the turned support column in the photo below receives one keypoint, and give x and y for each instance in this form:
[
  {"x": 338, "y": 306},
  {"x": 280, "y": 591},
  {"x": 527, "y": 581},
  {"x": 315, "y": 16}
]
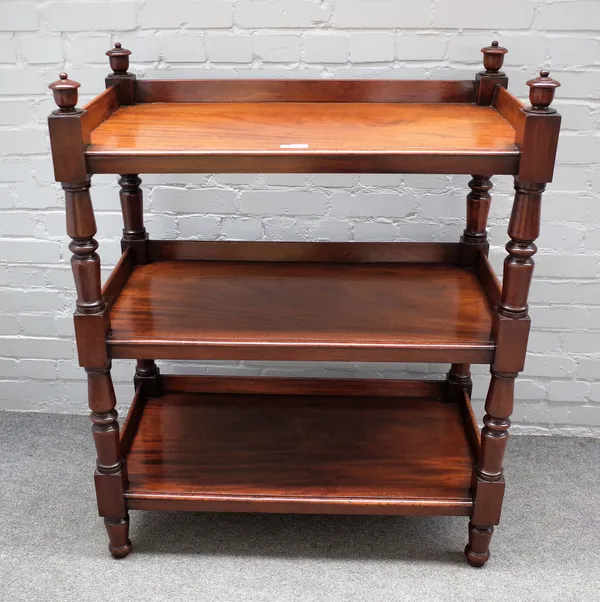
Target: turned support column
[
  {"x": 473, "y": 241},
  {"x": 132, "y": 207},
  {"x": 110, "y": 476},
  {"x": 91, "y": 316},
  {"x": 537, "y": 138},
  {"x": 135, "y": 238},
  {"x": 512, "y": 328}
]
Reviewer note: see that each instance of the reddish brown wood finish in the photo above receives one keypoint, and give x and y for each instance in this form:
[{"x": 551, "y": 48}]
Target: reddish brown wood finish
[
  {"x": 118, "y": 278},
  {"x": 510, "y": 107},
  {"x": 68, "y": 137},
  {"x": 311, "y": 91},
  {"x": 490, "y": 80},
  {"x": 132, "y": 208},
  {"x": 326, "y": 453},
  {"x": 474, "y": 240},
  {"x": 258, "y": 385},
  {"x": 296, "y": 445},
  {"x": 111, "y": 476},
  {"x": 459, "y": 381},
  {"x": 322, "y": 252},
  {"x": 125, "y": 83},
  {"x": 100, "y": 109},
  {"x": 306, "y": 137},
  {"x": 316, "y": 311}
]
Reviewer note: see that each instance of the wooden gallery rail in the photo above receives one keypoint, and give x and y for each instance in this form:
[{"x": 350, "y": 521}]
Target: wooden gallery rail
[{"x": 303, "y": 445}]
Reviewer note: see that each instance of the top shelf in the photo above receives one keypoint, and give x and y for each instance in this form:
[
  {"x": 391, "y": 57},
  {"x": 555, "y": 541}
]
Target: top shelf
[
  {"x": 306, "y": 126},
  {"x": 297, "y": 133}
]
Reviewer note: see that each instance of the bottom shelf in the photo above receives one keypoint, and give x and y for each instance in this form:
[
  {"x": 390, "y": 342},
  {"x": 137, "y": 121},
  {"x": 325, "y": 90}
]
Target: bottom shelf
[{"x": 299, "y": 445}]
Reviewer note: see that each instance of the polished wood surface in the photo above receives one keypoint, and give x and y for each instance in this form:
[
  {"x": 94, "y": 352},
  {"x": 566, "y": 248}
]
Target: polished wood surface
[
  {"x": 100, "y": 108},
  {"x": 301, "y": 310},
  {"x": 309, "y": 448},
  {"x": 322, "y": 90},
  {"x": 322, "y": 127},
  {"x": 394, "y": 302},
  {"x": 322, "y": 252},
  {"x": 510, "y": 107},
  {"x": 346, "y": 387}
]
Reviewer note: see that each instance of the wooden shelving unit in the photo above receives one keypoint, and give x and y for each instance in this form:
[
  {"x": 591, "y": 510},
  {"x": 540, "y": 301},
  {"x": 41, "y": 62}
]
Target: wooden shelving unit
[{"x": 303, "y": 445}]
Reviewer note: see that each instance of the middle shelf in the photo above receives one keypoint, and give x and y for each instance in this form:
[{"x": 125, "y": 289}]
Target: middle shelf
[{"x": 302, "y": 301}]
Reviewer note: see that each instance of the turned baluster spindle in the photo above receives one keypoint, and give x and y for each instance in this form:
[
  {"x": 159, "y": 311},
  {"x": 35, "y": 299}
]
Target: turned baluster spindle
[
  {"x": 132, "y": 207},
  {"x": 494, "y": 435},
  {"x": 523, "y": 229},
  {"x": 539, "y": 140},
  {"x": 473, "y": 241},
  {"x": 90, "y": 317},
  {"x": 478, "y": 209},
  {"x": 85, "y": 263}
]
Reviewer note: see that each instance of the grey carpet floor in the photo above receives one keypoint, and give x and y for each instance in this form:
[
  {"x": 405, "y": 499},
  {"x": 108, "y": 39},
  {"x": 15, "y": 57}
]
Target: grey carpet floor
[{"x": 53, "y": 546}]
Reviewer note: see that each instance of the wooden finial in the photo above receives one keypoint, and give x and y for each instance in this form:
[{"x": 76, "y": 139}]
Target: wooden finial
[
  {"x": 65, "y": 93},
  {"x": 541, "y": 92},
  {"x": 493, "y": 58},
  {"x": 119, "y": 59}
]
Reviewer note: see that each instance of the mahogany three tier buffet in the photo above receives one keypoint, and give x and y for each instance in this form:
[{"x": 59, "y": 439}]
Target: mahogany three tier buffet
[{"x": 295, "y": 445}]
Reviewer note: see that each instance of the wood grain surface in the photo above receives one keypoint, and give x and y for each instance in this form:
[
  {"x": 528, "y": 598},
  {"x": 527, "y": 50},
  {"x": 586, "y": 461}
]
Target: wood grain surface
[
  {"x": 300, "y": 90},
  {"x": 322, "y": 127},
  {"x": 307, "y": 447},
  {"x": 255, "y": 310}
]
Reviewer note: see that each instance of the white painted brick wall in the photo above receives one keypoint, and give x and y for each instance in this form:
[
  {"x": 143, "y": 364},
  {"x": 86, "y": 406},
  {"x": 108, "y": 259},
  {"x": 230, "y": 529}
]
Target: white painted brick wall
[{"x": 560, "y": 388}]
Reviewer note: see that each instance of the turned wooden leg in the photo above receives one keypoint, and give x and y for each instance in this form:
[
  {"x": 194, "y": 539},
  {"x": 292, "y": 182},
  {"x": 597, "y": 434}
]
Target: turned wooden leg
[
  {"x": 488, "y": 478},
  {"x": 91, "y": 323},
  {"x": 110, "y": 477},
  {"x": 511, "y": 326}
]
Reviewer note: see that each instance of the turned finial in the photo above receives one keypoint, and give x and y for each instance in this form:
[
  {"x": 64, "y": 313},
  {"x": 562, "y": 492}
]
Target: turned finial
[
  {"x": 119, "y": 59},
  {"x": 493, "y": 58},
  {"x": 65, "y": 93},
  {"x": 541, "y": 92}
]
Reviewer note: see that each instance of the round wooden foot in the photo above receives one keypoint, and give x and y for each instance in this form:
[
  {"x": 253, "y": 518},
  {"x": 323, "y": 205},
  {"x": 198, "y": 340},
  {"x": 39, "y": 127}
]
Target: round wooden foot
[
  {"x": 118, "y": 536},
  {"x": 474, "y": 559},
  {"x": 121, "y": 551},
  {"x": 477, "y": 551}
]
